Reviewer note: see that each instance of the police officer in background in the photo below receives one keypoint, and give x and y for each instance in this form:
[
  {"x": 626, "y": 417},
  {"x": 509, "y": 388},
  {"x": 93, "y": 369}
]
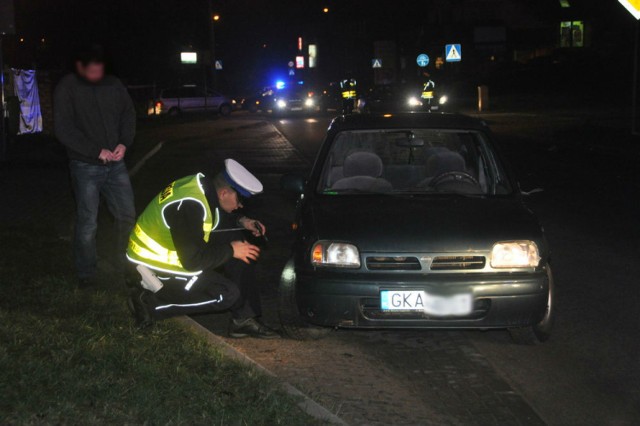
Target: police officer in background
[
  {"x": 184, "y": 236},
  {"x": 428, "y": 89},
  {"x": 349, "y": 95}
]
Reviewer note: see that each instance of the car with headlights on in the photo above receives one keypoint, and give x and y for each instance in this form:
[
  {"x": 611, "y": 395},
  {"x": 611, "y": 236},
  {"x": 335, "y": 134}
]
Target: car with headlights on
[
  {"x": 401, "y": 98},
  {"x": 414, "y": 220},
  {"x": 293, "y": 99}
]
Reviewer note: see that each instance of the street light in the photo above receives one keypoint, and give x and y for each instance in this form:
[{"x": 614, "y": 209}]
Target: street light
[
  {"x": 212, "y": 43},
  {"x": 325, "y": 10}
]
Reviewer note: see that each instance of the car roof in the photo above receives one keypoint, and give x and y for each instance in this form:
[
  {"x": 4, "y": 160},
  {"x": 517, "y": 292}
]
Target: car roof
[{"x": 426, "y": 120}]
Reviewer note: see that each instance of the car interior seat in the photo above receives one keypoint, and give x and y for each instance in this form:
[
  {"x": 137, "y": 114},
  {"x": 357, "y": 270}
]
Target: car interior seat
[{"x": 362, "y": 171}]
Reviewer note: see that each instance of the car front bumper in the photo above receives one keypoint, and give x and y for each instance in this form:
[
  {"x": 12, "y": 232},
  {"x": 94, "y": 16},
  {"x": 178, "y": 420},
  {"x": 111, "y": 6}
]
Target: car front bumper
[{"x": 501, "y": 300}]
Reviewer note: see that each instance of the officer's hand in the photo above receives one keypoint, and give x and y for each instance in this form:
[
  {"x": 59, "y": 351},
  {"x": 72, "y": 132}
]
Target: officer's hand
[
  {"x": 254, "y": 226},
  {"x": 244, "y": 251}
]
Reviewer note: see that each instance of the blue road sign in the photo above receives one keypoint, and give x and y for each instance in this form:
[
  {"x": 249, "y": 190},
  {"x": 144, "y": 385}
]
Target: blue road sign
[
  {"x": 453, "y": 53},
  {"x": 422, "y": 60},
  {"x": 218, "y": 64}
]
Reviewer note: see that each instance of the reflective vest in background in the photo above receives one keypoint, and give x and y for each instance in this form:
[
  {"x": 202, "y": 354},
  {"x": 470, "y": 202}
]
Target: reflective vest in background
[
  {"x": 150, "y": 242},
  {"x": 427, "y": 90},
  {"x": 348, "y": 89}
]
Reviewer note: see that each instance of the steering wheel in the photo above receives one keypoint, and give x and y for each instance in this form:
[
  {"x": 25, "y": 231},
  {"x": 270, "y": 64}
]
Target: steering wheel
[{"x": 453, "y": 175}]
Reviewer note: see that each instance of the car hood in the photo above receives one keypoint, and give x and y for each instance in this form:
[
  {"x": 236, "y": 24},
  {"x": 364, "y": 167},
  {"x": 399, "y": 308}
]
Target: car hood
[{"x": 422, "y": 223}]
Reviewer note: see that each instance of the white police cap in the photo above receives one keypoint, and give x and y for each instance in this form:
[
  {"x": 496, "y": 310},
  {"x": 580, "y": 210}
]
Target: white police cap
[{"x": 241, "y": 179}]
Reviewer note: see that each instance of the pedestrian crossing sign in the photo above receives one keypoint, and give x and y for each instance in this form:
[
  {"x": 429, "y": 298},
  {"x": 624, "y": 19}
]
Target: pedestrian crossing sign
[
  {"x": 453, "y": 53},
  {"x": 218, "y": 64},
  {"x": 376, "y": 63}
]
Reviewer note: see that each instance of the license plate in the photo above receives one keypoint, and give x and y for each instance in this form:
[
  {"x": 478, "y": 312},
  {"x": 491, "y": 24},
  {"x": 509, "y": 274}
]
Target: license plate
[
  {"x": 418, "y": 300},
  {"x": 296, "y": 109}
]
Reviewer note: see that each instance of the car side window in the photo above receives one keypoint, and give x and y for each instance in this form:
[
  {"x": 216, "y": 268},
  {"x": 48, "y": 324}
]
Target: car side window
[{"x": 188, "y": 92}]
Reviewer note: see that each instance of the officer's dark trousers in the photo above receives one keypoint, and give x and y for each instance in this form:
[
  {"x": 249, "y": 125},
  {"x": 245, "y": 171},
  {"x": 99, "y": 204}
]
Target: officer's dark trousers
[{"x": 212, "y": 291}]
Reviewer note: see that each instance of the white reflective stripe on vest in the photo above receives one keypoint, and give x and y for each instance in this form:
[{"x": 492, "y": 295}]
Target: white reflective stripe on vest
[{"x": 151, "y": 243}]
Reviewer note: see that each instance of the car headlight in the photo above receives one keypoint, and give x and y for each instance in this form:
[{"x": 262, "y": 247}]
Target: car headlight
[
  {"x": 515, "y": 254},
  {"x": 340, "y": 255},
  {"x": 281, "y": 104},
  {"x": 413, "y": 101},
  {"x": 443, "y": 100},
  {"x": 308, "y": 102}
]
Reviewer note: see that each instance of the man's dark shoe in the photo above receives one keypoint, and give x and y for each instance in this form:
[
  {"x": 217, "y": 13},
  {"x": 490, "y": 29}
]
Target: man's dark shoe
[
  {"x": 251, "y": 328},
  {"x": 140, "y": 309}
]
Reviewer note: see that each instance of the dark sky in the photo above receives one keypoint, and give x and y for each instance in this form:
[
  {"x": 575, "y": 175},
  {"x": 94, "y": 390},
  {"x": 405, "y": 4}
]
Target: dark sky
[
  {"x": 140, "y": 34},
  {"x": 144, "y": 37}
]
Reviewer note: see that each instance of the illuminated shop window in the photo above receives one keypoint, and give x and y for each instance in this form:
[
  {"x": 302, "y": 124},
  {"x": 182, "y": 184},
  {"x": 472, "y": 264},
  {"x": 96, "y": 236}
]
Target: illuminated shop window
[{"x": 571, "y": 34}]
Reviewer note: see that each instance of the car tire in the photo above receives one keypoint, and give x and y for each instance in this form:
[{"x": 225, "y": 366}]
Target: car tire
[
  {"x": 540, "y": 332},
  {"x": 290, "y": 319},
  {"x": 174, "y": 112},
  {"x": 224, "y": 110}
]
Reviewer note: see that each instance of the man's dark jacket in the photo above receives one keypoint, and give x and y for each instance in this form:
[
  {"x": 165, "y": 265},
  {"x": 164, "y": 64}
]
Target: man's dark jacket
[{"x": 90, "y": 117}]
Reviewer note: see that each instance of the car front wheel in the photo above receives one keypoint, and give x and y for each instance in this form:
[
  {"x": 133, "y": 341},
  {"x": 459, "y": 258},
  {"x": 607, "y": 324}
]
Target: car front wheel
[
  {"x": 292, "y": 323},
  {"x": 540, "y": 332}
]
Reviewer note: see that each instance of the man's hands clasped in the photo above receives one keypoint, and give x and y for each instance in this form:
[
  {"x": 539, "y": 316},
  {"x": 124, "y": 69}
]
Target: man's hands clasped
[{"x": 115, "y": 155}]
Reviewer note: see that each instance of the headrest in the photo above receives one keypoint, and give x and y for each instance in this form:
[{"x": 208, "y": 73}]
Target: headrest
[{"x": 363, "y": 164}]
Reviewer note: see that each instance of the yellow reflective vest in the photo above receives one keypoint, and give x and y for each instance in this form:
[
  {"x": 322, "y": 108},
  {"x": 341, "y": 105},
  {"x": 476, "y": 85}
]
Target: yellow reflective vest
[{"x": 150, "y": 242}]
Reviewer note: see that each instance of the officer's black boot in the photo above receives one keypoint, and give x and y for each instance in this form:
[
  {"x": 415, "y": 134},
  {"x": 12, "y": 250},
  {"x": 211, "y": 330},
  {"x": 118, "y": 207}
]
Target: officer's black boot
[
  {"x": 140, "y": 308},
  {"x": 251, "y": 328}
]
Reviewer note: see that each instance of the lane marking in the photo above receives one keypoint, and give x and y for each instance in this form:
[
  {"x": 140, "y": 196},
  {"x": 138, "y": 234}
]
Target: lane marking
[{"x": 136, "y": 168}]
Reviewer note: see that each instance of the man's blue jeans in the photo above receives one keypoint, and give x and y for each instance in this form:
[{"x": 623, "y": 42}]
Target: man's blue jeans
[{"x": 89, "y": 182}]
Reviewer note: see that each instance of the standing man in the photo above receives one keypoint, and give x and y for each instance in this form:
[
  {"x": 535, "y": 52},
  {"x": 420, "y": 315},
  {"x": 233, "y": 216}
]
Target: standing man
[
  {"x": 188, "y": 232},
  {"x": 96, "y": 121}
]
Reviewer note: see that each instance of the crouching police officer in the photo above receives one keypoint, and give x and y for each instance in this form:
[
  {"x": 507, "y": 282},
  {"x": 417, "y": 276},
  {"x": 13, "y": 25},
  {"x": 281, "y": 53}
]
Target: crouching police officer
[{"x": 183, "y": 236}]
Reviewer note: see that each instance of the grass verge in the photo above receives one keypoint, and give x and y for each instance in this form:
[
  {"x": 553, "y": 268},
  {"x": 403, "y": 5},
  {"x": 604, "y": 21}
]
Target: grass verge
[{"x": 73, "y": 356}]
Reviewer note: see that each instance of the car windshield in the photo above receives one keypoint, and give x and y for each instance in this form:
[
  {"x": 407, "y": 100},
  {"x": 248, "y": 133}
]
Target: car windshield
[{"x": 413, "y": 161}]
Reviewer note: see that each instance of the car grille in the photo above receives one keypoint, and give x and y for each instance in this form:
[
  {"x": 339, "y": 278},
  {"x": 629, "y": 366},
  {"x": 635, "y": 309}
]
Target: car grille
[
  {"x": 396, "y": 263},
  {"x": 452, "y": 263},
  {"x": 371, "y": 309}
]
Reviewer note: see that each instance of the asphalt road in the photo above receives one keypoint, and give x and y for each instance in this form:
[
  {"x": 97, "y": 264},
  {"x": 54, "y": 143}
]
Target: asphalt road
[
  {"x": 588, "y": 373},
  {"x": 306, "y": 134}
]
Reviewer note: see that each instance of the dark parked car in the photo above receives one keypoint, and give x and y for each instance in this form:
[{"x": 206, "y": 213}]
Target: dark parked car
[{"x": 413, "y": 220}]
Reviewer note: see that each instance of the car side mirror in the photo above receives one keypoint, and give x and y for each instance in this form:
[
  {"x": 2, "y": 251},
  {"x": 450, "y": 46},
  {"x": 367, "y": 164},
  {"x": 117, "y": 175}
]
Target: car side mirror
[{"x": 292, "y": 183}]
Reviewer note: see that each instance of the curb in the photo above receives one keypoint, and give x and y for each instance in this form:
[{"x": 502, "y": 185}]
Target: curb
[{"x": 308, "y": 405}]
